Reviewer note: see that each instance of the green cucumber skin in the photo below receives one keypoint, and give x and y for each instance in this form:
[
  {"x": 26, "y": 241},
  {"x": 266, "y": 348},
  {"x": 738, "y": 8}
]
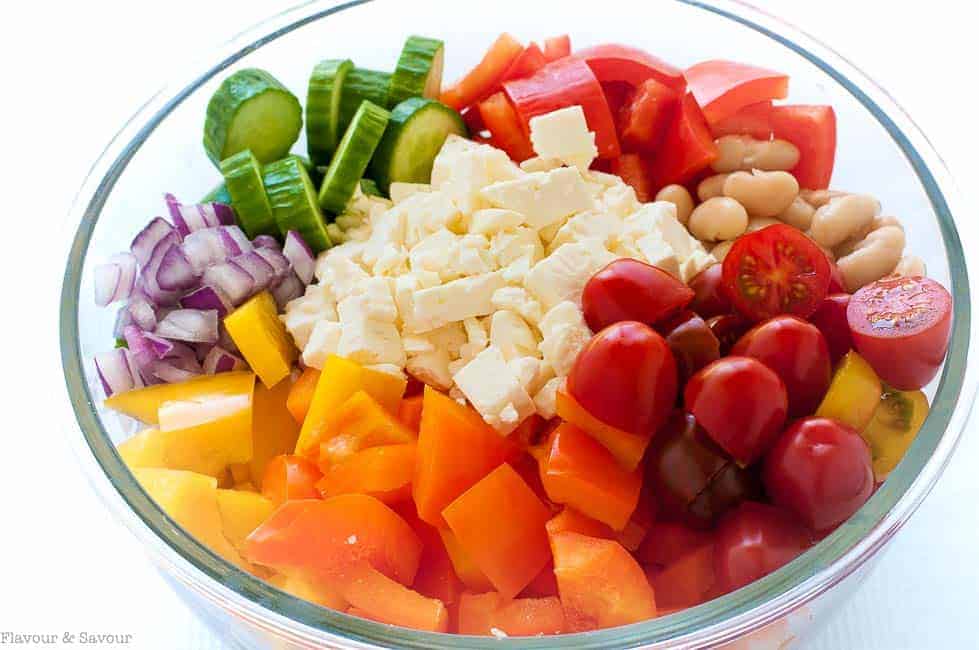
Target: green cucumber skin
[
  {"x": 410, "y": 77},
  {"x": 323, "y": 108},
  {"x": 352, "y": 156},
  {"x": 361, "y": 84},
  {"x": 293, "y": 200},
  {"x": 219, "y": 194},
  {"x": 233, "y": 94},
  {"x": 243, "y": 177},
  {"x": 415, "y": 133},
  {"x": 369, "y": 187}
]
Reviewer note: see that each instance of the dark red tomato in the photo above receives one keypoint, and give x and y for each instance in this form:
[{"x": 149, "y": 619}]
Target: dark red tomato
[
  {"x": 692, "y": 342},
  {"x": 820, "y": 469},
  {"x": 681, "y": 463},
  {"x": 797, "y": 352},
  {"x": 728, "y": 328},
  {"x": 628, "y": 289},
  {"x": 729, "y": 487},
  {"x": 901, "y": 326},
  {"x": 836, "y": 284},
  {"x": 741, "y": 403},
  {"x": 775, "y": 270},
  {"x": 830, "y": 318},
  {"x": 668, "y": 541},
  {"x": 626, "y": 377},
  {"x": 708, "y": 297},
  {"x": 754, "y": 540}
]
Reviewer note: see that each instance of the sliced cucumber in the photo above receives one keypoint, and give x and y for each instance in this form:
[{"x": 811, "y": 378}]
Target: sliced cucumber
[
  {"x": 323, "y": 108},
  {"x": 353, "y": 154},
  {"x": 251, "y": 110},
  {"x": 369, "y": 187},
  {"x": 417, "y": 129},
  {"x": 293, "y": 200},
  {"x": 419, "y": 70},
  {"x": 361, "y": 84},
  {"x": 219, "y": 194},
  {"x": 243, "y": 176}
]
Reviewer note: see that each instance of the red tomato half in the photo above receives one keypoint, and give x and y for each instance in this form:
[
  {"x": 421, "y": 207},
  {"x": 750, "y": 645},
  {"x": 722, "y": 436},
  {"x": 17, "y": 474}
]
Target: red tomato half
[
  {"x": 692, "y": 342},
  {"x": 626, "y": 377},
  {"x": 797, "y": 352},
  {"x": 901, "y": 326},
  {"x": 687, "y": 146},
  {"x": 813, "y": 130},
  {"x": 643, "y": 120},
  {"x": 830, "y": 318},
  {"x": 821, "y": 469},
  {"x": 741, "y": 403},
  {"x": 775, "y": 270},
  {"x": 628, "y": 289},
  {"x": 612, "y": 62},
  {"x": 722, "y": 88},
  {"x": 709, "y": 298},
  {"x": 754, "y": 120},
  {"x": 754, "y": 540},
  {"x": 728, "y": 329}
]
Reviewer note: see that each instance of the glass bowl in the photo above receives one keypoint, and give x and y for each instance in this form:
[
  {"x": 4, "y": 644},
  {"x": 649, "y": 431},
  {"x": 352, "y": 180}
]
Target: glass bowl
[{"x": 159, "y": 150}]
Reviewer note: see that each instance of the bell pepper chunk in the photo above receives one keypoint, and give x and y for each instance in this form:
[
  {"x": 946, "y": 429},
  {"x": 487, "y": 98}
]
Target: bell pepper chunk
[
  {"x": 612, "y": 62},
  {"x": 144, "y": 403},
  {"x": 288, "y": 478},
  {"x": 456, "y": 449},
  {"x": 339, "y": 380},
  {"x": 543, "y": 585},
  {"x": 628, "y": 448},
  {"x": 360, "y": 423},
  {"x": 500, "y": 523},
  {"x": 687, "y": 581},
  {"x": 489, "y": 614},
  {"x": 571, "y": 520},
  {"x": 410, "y": 412},
  {"x": 376, "y": 596},
  {"x": 262, "y": 338},
  {"x": 557, "y": 47},
  {"x": 485, "y": 77},
  {"x": 813, "y": 130},
  {"x": 854, "y": 392},
  {"x": 463, "y": 564},
  {"x": 601, "y": 585},
  {"x": 893, "y": 428},
  {"x": 382, "y": 472},
  {"x": 326, "y": 540},
  {"x": 301, "y": 394},
  {"x": 436, "y": 576},
  {"x": 506, "y": 131},
  {"x": 527, "y": 63},
  {"x": 274, "y": 431},
  {"x": 754, "y": 120},
  {"x": 581, "y": 473},
  {"x": 722, "y": 88},
  {"x": 314, "y": 592},
  {"x": 241, "y": 513},
  {"x": 687, "y": 146},
  {"x": 634, "y": 171},
  {"x": 560, "y": 84},
  {"x": 643, "y": 120}
]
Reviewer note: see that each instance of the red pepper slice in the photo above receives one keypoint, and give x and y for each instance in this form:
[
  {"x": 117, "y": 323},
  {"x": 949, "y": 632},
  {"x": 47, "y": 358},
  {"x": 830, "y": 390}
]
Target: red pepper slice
[
  {"x": 530, "y": 61},
  {"x": 613, "y": 62},
  {"x": 482, "y": 80},
  {"x": 643, "y": 121},
  {"x": 632, "y": 169},
  {"x": 687, "y": 147},
  {"x": 754, "y": 120},
  {"x": 813, "y": 130},
  {"x": 504, "y": 126},
  {"x": 557, "y": 47},
  {"x": 722, "y": 88}
]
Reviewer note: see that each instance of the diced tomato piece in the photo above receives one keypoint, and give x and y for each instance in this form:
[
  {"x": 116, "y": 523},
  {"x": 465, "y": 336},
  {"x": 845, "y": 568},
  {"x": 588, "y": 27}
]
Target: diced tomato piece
[
  {"x": 754, "y": 120},
  {"x": 612, "y": 62},
  {"x": 490, "y": 613},
  {"x": 481, "y": 81},
  {"x": 667, "y": 541},
  {"x": 375, "y": 596},
  {"x": 410, "y": 412},
  {"x": 383, "y": 472},
  {"x": 643, "y": 120},
  {"x": 290, "y": 477},
  {"x": 687, "y": 147},
  {"x": 557, "y": 47},
  {"x": 505, "y": 128},
  {"x": 813, "y": 130},
  {"x": 562, "y": 83},
  {"x": 722, "y": 88},
  {"x": 634, "y": 171},
  {"x": 301, "y": 394},
  {"x": 687, "y": 581},
  {"x": 530, "y": 61}
]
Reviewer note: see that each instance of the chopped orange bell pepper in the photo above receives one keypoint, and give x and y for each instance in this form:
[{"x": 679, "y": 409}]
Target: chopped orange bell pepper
[
  {"x": 288, "y": 478},
  {"x": 481, "y": 80},
  {"x": 581, "y": 473},
  {"x": 301, "y": 394},
  {"x": 382, "y": 472},
  {"x": 144, "y": 403},
  {"x": 504, "y": 126},
  {"x": 601, "y": 585},
  {"x": 436, "y": 576},
  {"x": 274, "y": 432},
  {"x": 456, "y": 448},
  {"x": 376, "y": 596},
  {"x": 527, "y": 467},
  {"x": 262, "y": 338},
  {"x": 628, "y": 448},
  {"x": 314, "y": 592},
  {"x": 500, "y": 523},
  {"x": 358, "y": 424},
  {"x": 544, "y": 583},
  {"x": 571, "y": 520},
  {"x": 462, "y": 563},
  {"x": 668, "y": 541},
  {"x": 687, "y": 581},
  {"x": 410, "y": 412},
  {"x": 488, "y": 614}
]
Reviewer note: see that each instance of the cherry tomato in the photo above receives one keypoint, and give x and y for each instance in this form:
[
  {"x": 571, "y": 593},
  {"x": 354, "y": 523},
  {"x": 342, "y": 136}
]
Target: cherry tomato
[
  {"x": 754, "y": 540},
  {"x": 728, "y": 328},
  {"x": 830, "y": 318},
  {"x": 628, "y": 289},
  {"x": 836, "y": 283},
  {"x": 741, "y": 403},
  {"x": 797, "y": 352},
  {"x": 708, "y": 296},
  {"x": 775, "y": 270},
  {"x": 693, "y": 343},
  {"x": 820, "y": 469},
  {"x": 901, "y": 326},
  {"x": 626, "y": 377},
  {"x": 682, "y": 462},
  {"x": 729, "y": 487}
]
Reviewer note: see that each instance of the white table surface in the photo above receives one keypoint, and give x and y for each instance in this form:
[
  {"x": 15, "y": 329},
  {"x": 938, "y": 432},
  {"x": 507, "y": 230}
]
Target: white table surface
[{"x": 74, "y": 71}]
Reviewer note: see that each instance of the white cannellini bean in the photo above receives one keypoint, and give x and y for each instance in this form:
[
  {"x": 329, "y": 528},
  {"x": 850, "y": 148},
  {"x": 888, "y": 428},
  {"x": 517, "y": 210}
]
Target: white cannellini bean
[
  {"x": 911, "y": 266},
  {"x": 757, "y": 223},
  {"x": 711, "y": 186},
  {"x": 742, "y": 152},
  {"x": 874, "y": 257},
  {"x": 720, "y": 251},
  {"x": 819, "y": 198},
  {"x": 717, "y": 219},
  {"x": 798, "y": 214},
  {"x": 843, "y": 217},
  {"x": 763, "y": 194},
  {"x": 680, "y": 197},
  {"x": 877, "y": 222}
]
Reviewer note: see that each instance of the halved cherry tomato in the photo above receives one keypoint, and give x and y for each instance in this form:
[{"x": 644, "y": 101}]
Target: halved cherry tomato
[
  {"x": 288, "y": 478},
  {"x": 729, "y": 487},
  {"x": 482, "y": 80},
  {"x": 820, "y": 469},
  {"x": 628, "y": 289},
  {"x": 754, "y": 120},
  {"x": 741, "y": 403},
  {"x": 692, "y": 342},
  {"x": 830, "y": 318},
  {"x": 709, "y": 298},
  {"x": 633, "y": 169},
  {"x": 612, "y": 62},
  {"x": 557, "y": 47},
  {"x": 504, "y": 126},
  {"x": 775, "y": 270},
  {"x": 893, "y": 427},
  {"x": 901, "y": 326},
  {"x": 728, "y": 329},
  {"x": 754, "y": 540},
  {"x": 722, "y": 88},
  {"x": 813, "y": 130},
  {"x": 687, "y": 146},
  {"x": 797, "y": 352},
  {"x": 626, "y": 377},
  {"x": 643, "y": 120}
]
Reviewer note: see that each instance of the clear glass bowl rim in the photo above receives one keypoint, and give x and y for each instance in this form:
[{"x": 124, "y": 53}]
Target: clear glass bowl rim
[{"x": 718, "y": 621}]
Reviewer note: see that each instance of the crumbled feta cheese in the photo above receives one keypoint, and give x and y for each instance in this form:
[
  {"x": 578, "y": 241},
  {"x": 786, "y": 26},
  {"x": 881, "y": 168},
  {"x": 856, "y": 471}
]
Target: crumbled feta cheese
[
  {"x": 526, "y": 370},
  {"x": 587, "y": 225},
  {"x": 563, "y": 134},
  {"x": 494, "y": 391},
  {"x": 431, "y": 368},
  {"x": 400, "y": 191},
  {"x": 697, "y": 262},
  {"x": 302, "y": 313},
  {"x": 377, "y": 299},
  {"x": 456, "y": 300},
  {"x": 544, "y": 198},
  {"x": 493, "y": 220},
  {"x": 619, "y": 200},
  {"x": 364, "y": 339},
  {"x": 658, "y": 253},
  {"x": 516, "y": 271},
  {"x": 545, "y": 400},
  {"x": 608, "y": 180},
  {"x": 434, "y": 252},
  {"x": 341, "y": 274},
  {"x": 563, "y": 274},
  {"x": 460, "y": 173},
  {"x": 512, "y": 335},
  {"x": 564, "y": 333},
  {"x": 538, "y": 164},
  {"x": 323, "y": 341},
  {"x": 511, "y": 245},
  {"x": 388, "y": 368},
  {"x": 517, "y": 299}
]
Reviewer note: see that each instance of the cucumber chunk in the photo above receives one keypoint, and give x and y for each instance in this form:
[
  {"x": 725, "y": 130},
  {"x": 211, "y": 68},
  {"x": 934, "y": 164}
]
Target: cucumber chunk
[
  {"x": 419, "y": 70},
  {"x": 293, "y": 200},
  {"x": 243, "y": 177},
  {"x": 251, "y": 110},
  {"x": 323, "y": 108},
  {"x": 219, "y": 194},
  {"x": 353, "y": 154},
  {"x": 415, "y": 133},
  {"x": 369, "y": 187},
  {"x": 361, "y": 84}
]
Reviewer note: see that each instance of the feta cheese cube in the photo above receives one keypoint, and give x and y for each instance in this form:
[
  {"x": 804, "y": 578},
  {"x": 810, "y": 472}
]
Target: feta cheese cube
[
  {"x": 545, "y": 400},
  {"x": 431, "y": 368},
  {"x": 619, "y": 200},
  {"x": 400, "y": 191},
  {"x": 424, "y": 213},
  {"x": 493, "y": 220},
  {"x": 564, "y": 335},
  {"x": 544, "y": 198},
  {"x": 516, "y": 271},
  {"x": 340, "y": 273},
  {"x": 475, "y": 332},
  {"x": 512, "y": 336},
  {"x": 608, "y": 180},
  {"x": 563, "y": 134},
  {"x": 511, "y": 245},
  {"x": 366, "y": 340},
  {"x": 461, "y": 171},
  {"x": 538, "y": 164},
  {"x": 389, "y": 368},
  {"x": 494, "y": 390},
  {"x": 563, "y": 274},
  {"x": 587, "y": 225},
  {"x": 658, "y": 253},
  {"x": 434, "y": 252},
  {"x": 456, "y": 300},
  {"x": 697, "y": 262},
  {"x": 518, "y": 300},
  {"x": 377, "y": 299},
  {"x": 324, "y": 341}
]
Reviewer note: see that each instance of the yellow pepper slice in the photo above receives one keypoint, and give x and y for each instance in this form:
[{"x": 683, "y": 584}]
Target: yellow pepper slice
[
  {"x": 144, "y": 403},
  {"x": 893, "y": 427},
  {"x": 262, "y": 338},
  {"x": 853, "y": 394}
]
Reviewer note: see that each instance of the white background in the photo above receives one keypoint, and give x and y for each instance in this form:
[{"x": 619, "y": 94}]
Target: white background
[{"x": 73, "y": 71}]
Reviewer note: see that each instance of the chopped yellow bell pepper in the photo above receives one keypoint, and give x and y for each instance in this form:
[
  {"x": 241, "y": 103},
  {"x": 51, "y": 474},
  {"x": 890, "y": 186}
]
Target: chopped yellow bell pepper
[
  {"x": 853, "y": 394},
  {"x": 241, "y": 472},
  {"x": 241, "y": 513},
  {"x": 274, "y": 431},
  {"x": 262, "y": 338},
  {"x": 144, "y": 403},
  {"x": 893, "y": 427}
]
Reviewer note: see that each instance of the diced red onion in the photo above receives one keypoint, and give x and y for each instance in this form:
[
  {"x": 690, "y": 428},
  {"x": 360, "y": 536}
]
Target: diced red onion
[
  {"x": 149, "y": 238},
  {"x": 142, "y": 310},
  {"x": 300, "y": 255},
  {"x": 230, "y": 279},
  {"x": 235, "y": 240},
  {"x": 190, "y": 218},
  {"x": 279, "y": 263},
  {"x": 204, "y": 248},
  {"x": 123, "y": 320},
  {"x": 208, "y": 297},
  {"x": 262, "y": 273},
  {"x": 148, "y": 276},
  {"x": 115, "y": 279},
  {"x": 220, "y": 360},
  {"x": 266, "y": 241},
  {"x": 175, "y": 272},
  {"x": 170, "y": 373},
  {"x": 290, "y": 288},
  {"x": 145, "y": 347},
  {"x": 191, "y": 325},
  {"x": 116, "y": 371}
]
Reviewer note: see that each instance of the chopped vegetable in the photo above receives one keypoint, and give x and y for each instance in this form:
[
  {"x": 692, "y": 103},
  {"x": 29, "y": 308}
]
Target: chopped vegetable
[
  {"x": 243, "y": 177},
  {"x": 289, "y": 478},
  {"x": 419, "y": 70},
  {"x": 491, "y": 614},
  {"x": 481, "y": 81},
  {"x": 812, "y": 129},
  {"x": 686, "y": 149},
  {"x": 557, "y": 47},
  {"x": 323, "y": 108},
  {"x": 504, "y": 126},
  {"x": 299, "y": 255},
  {"x": 612, "y": 62},
  {"x": 893, "y": 428},
  {"x": 643, "y": 120},
  {"x": 853, "y": 394},
  {"x": 382, "y": 472},
  {"x": 354, "y": 152},
  {"x": 115, "y": 279},
  {"x": 262, "y": 338},
  {"x": 722, "y": 88},
  {"x": 273, "y": 430},
  {"x": 301, "y": 394}
]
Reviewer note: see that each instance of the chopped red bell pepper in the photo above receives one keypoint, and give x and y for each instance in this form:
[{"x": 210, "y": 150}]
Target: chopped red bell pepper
[
  {"x": 722, "y": 88},
  {"x": 813, "y": 130},
  {"x": 482, "y": 80},
  {"x": 754, "y": 120},
  {"x": 618, "y": 94},
  {"x": 633, "y": 170},
  {"x": 474, "y": 120},
  {"x": 562, "y": 83},
  {"x": 557, "y": 47},
  {"x": 613, "y": 62},
  {"x": 687, "y": 147},
  {"x": 530, "y": 61},
  {"x": 505, "y": 128},
  {"x": 643, "y": 120}
]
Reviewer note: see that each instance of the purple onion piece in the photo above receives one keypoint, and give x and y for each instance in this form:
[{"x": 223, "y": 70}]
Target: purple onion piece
[
  {"x": 142, "y": 310},
  {"x": 204, "y": 248},
  {"x": 175, "y": 272},
  {"x": 147, "y": 241},
  {"x": 116, "y": 372},
  {"x": 170, "y": 373},
  {"x": 235, "y": 240},
  {"x": 230, "y": 280},
  {"x": 261, "y": 272},
  {"x": 224, "y": 213},
  {"x": 145, "y": 347},
  {"x": 266, "y": 241},
  {"x": 300, "y": 255},
  {"x": 279, "y": 263},
  {"x": 220, "y": 360},
  {"x": 148, "y": 273},
  {"x": 289, "y": 289},
  {"x": 191, "y": 325},
  {"x": 123, "y": 320},
  {"x": 225, "y": 340},
  {"x": 191, "y": 218},
  {"x": 183, "y": 355},
  {"x": 114, "y": 280},
  {"x": 208, "y": 297}
]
